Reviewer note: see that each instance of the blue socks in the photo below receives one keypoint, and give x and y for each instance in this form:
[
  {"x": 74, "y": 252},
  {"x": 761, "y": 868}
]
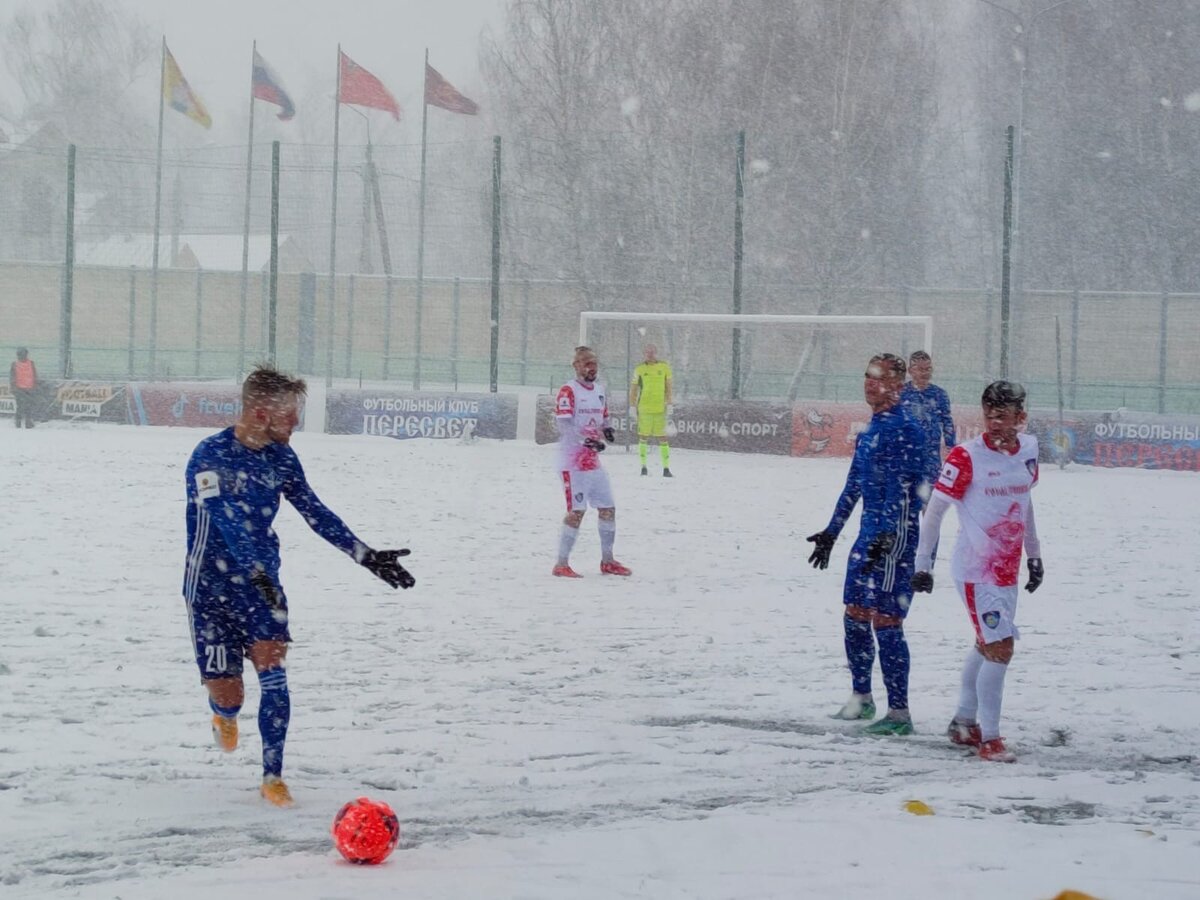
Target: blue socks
[
  {"x": 860, "y": 653},
  {"x": 894, "y": 660},
  {"x": 274, "y": 712}
]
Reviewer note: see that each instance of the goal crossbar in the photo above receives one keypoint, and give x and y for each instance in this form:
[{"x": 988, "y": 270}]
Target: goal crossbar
[{"x": 924, "y": 322}]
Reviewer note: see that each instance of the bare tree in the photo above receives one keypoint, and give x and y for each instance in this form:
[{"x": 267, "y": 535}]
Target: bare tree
[{"x": 75, "y": 62}]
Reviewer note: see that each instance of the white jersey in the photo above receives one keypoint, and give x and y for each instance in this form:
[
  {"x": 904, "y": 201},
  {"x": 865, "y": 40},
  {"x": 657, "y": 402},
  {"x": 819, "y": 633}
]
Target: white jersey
[
  {"x": 582, "y": 412},
  {"x": 990, "y": 489}
]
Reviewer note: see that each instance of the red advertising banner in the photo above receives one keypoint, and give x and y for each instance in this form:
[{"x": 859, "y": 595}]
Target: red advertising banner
[{"x": 187, "y": 404}]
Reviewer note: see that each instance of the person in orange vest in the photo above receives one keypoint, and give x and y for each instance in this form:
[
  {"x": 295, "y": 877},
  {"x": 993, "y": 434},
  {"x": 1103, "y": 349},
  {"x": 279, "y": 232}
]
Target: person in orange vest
[{"x": 23, "y": 382}]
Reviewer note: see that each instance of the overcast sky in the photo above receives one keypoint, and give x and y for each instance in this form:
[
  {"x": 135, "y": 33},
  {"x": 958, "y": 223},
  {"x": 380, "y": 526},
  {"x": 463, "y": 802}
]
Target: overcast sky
[{"x": 211, "y": 40}]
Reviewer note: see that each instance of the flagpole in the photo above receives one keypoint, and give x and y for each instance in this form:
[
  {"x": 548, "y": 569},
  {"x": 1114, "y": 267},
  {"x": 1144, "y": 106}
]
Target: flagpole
[
  {"x": 421, "y": 225},
  {"x": 246, "y": 223},
  {"x": 337, "y": 110},
  {"x": 162, "y": 75}
]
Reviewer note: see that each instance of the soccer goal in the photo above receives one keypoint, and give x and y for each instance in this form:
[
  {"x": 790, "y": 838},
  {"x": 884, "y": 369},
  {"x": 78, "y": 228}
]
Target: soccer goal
[{"x": 754, "y": 357}]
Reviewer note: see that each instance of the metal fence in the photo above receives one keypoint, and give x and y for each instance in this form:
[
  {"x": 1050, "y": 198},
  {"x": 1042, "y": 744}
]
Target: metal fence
[{"x": 1133, "y": 350}]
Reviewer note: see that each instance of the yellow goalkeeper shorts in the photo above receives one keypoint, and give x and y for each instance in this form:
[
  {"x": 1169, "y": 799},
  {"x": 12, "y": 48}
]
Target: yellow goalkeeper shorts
[{"x": 652, "y": 424}]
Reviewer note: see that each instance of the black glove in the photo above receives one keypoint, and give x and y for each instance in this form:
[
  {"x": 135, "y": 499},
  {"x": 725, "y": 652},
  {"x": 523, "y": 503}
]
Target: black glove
[
  {"x": 384, "y": 564},
  {"x": 1037, "y": 572},
  {"x": 922, "y": 582},
  {"x": 593, "y": 444},
  {"x": 610, "y": 435},
  {"x": 820, "y": 555},
  {"x": 880, "y": 547},
  {"x": 267, "y": 589}
]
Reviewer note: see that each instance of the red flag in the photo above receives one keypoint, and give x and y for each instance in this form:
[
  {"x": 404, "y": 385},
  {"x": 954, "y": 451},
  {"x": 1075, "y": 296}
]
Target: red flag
[
  {"x": 440, "y": 92},
  {"x": 361, "y": 88}
]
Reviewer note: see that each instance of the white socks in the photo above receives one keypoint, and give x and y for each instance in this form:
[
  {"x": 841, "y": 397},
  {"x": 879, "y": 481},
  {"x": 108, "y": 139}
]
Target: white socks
[
  {"x": 990, "y": 687},
  {"x": 968, "y": 696},
  {"x": 608, "y": 535},
  {"x": 566, "y": 541}
]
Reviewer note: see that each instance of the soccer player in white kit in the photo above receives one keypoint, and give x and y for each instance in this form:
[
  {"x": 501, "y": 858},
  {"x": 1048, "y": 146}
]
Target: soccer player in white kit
[
  {"x": 581, "y": 414},
  {"x": 988, "y": 480}
]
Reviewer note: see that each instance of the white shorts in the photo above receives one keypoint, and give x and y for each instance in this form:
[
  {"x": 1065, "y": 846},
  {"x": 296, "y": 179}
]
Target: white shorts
[
  {"x": 993, "y": 610},
  {"x": 587, "y": 488}
]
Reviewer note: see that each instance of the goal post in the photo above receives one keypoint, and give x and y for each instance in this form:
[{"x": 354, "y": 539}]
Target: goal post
[{"x": 745, "y": 356}]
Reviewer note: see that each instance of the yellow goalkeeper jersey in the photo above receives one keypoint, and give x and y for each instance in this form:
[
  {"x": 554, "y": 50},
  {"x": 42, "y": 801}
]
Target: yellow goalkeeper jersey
[{"x": 651, "y": 380}]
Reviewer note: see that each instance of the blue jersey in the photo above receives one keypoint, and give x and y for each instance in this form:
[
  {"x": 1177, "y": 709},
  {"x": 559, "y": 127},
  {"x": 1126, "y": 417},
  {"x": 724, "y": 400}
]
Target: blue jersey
[
  {"x": 931, "y": 409},
  {"x": 233, "y": 495},
  {"x": 886, "y": 473}
]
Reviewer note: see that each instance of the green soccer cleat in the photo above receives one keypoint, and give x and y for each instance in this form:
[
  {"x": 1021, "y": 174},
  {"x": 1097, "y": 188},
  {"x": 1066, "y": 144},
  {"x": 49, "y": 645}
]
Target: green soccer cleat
[
  {"x": 891, "y": 724},
  {"x": 858, "y": 707}
]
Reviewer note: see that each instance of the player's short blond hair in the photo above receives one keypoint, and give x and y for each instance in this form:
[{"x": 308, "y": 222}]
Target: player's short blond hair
[{"x": 267, "y": 384}]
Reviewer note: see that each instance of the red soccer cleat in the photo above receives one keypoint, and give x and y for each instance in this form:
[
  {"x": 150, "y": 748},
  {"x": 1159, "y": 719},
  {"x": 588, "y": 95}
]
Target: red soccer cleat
[
  {"x": 562, "y": 570},
  {"x": 964, "y": 734},
  {"x": 612, "y": 567},
  {"x": 995, "y": 751}
]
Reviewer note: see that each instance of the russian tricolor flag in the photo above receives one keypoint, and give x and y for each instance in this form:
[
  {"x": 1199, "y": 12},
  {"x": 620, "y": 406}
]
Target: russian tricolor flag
[{"x": 265, "y": 85}]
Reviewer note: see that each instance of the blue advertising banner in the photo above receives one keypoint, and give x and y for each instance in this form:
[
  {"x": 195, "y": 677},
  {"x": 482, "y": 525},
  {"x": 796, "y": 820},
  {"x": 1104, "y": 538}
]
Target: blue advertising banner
[
  {"x": 1140, "y": 440},
  {"x": 421, "y": 414}
]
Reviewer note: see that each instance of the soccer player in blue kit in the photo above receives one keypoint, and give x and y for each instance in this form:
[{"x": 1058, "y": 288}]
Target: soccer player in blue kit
[
  {"x": 235, "y": 601},
  {"x": 886, "y": 473},
  {"x": 930, "y": 406}
]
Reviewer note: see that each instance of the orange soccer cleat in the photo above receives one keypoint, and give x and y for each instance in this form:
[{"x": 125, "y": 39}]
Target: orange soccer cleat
[
  {"x": 612, "y": 567},
  {"x": 562, "y": 570},
  {"x": 225, "y": 732},
  {"x": 275, "y": 791}
]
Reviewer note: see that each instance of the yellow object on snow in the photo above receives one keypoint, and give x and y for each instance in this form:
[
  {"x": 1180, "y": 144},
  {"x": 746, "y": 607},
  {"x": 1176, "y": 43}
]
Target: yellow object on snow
[{"x": 917, "y": 808}]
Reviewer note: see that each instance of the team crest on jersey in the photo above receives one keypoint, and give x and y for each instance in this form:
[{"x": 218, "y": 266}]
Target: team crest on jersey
[
  {"x": 579, "y": 496},
  {"x": 207, "y": 485},
  {"x": 991, "y": 619},
  {"x": 949, "y": 474}
]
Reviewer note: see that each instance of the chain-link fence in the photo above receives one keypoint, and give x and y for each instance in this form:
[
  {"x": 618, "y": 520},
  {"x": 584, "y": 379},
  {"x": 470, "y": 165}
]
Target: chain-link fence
[{"x": 197, "y": 316}]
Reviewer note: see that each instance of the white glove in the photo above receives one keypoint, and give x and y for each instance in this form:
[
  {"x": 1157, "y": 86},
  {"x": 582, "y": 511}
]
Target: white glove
[
  {"x": 670, "y": 409},
  {"x": 633, "y": 413}
]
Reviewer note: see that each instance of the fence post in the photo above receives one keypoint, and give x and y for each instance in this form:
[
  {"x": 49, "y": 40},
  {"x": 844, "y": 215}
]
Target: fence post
[
  {"x": 132, "y": 313},
  {"x": 494, "y": 375},
  {"x": 1074, "y": 344},
  {"x": 199, "y": 316},
  {"x": 350, "y": 327},
  {"x": 739, "y": 193},
  {"x": 454, "y": 334},
  {"x": 524, "y": 328},
  {"x": 329, "y": 331},
  {"x": 989, "y": 303},
  {"x": 66, "y": 364},
  {"x": 1162, "y": 352},
  {"x": 387, "y": 324}
]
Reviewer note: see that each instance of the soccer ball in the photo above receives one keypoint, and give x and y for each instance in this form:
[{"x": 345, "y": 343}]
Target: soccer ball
[{"x": 365, "y": 831}]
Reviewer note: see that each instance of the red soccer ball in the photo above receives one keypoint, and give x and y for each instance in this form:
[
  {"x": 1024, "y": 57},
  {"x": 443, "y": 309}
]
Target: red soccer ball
[{"x": 366, "y": 831}]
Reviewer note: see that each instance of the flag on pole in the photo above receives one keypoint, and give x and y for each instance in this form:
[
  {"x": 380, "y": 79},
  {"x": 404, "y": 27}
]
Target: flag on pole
[
  {"x": 360, "y": 88},
  {"x": 441, "y": 93},
  {"x": 179, "y": 94},
  {"x": 266, "y": 85}
]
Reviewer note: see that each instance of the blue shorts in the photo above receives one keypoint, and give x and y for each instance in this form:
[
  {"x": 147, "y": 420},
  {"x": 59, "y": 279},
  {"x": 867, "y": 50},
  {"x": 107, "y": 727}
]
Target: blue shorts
[
  {"x": 884, "y": 586},
  {"x": 226, "y": 619}
]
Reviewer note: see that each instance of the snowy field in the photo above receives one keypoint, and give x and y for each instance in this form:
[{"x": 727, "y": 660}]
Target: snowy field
[{"x": 664, "y": 736}]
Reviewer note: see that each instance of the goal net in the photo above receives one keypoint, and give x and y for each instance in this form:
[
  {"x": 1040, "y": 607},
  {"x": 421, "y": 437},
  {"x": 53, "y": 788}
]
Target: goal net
[{"x": 781, "y": 358}]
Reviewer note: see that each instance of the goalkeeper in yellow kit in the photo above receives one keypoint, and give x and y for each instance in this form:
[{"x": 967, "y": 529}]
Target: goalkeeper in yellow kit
[{"x": 650, "y": 405}]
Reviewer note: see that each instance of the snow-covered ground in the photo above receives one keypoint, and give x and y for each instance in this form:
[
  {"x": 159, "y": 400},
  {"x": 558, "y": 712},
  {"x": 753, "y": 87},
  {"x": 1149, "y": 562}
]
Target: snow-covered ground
[{"x": 665, "y": 735}]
